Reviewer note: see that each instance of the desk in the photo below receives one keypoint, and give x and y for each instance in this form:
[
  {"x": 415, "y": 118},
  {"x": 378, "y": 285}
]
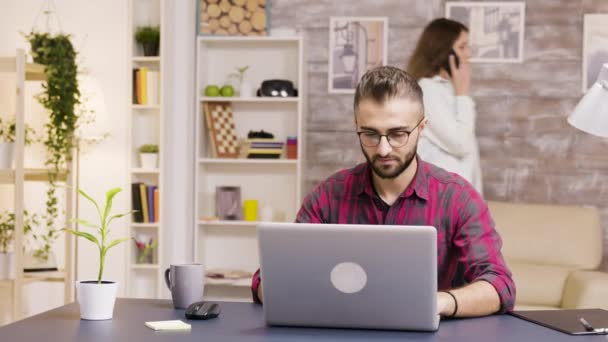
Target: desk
[{"x": 244, "y": 322}]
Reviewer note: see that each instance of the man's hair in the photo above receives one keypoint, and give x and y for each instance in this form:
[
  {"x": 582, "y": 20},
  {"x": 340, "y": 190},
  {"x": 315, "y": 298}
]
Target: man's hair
[{"x": 386, "y": 82}]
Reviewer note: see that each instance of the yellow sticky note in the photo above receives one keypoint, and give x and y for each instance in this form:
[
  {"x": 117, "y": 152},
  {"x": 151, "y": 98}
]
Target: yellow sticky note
[{"x": 168, "y": 325}]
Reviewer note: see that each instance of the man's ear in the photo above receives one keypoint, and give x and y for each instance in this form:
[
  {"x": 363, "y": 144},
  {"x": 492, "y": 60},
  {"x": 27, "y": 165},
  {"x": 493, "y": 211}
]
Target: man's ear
[{"x": 422, "y": 125}]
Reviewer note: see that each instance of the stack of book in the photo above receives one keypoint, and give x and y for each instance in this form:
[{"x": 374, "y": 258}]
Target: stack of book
[
  {"x": 145, "y": 86},
  {"x": 145, "y": 203},
  {"x": 263, "y": 148}
]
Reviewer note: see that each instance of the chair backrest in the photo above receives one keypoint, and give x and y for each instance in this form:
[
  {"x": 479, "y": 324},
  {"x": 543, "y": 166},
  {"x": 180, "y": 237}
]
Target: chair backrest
[{"x": 543, "y": 243}]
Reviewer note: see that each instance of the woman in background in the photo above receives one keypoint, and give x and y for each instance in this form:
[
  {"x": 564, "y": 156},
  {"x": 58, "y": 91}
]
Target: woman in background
[{"x": 440, "y": 63}]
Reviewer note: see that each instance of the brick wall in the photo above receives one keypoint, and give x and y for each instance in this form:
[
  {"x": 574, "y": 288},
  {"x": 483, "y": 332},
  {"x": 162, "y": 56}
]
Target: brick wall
[{"x": 528, "y": 151}]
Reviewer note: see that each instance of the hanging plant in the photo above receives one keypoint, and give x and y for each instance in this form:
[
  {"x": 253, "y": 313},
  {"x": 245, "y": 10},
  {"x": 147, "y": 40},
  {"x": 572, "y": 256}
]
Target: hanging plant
[{"x": 60, "y": 97}]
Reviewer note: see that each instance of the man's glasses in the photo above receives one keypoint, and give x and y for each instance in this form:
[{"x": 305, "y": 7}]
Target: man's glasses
[{"x": 394, "y": 138}]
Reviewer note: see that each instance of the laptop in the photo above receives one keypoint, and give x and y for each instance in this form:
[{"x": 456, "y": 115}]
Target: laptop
[{"x": 349, "y": 276}]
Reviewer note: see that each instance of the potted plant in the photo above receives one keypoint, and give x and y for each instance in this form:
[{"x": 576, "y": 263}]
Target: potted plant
[
  {"x": 244, "y": 86},
  {"x": 149, "y": 38},
  {"x": 7, "y": 230},
  {"x": 145, "y": 246},
  {"x": 148, "y": 156},
  {"x": 97, "y": 297},
  {"x": 7, "y": 141}
]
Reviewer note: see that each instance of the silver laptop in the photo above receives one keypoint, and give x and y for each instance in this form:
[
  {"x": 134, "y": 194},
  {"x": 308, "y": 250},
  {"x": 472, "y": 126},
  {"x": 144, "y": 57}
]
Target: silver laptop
[{"x": 349, "y": 276}]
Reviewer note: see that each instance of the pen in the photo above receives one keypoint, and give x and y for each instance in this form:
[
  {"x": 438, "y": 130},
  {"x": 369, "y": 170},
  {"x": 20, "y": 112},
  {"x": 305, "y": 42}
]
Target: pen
[
  {"x": 586, "y": 324},
  {"x": 589, "y": 327}
]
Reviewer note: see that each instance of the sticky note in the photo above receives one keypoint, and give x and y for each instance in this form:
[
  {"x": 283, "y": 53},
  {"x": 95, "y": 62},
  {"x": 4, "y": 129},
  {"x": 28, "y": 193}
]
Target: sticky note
[{"x": 168, "y": 325}]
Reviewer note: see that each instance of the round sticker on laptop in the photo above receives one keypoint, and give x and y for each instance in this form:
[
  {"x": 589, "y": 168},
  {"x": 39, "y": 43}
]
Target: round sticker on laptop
[{"x": 348, "y": 277}]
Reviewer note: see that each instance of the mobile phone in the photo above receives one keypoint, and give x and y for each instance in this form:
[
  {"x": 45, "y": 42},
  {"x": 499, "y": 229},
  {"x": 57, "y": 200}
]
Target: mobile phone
[{"x": 446, "y": 64}]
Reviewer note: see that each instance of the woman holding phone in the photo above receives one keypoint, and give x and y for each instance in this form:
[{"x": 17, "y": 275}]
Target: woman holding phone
[{"x": 440, "y": 63}]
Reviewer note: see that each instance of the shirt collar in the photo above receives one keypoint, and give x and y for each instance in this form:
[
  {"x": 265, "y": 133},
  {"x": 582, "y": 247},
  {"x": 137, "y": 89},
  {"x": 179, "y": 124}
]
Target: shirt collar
[{"x": 418, "y": 186}]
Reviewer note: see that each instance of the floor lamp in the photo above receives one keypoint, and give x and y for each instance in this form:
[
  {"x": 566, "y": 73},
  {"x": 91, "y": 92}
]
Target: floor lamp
[{"x": 591, "y": 113}]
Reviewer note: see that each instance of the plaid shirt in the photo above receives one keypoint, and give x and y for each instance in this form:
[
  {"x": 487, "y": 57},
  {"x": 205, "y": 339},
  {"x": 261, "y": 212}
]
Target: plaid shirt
[{"x": 468, "y": 246}]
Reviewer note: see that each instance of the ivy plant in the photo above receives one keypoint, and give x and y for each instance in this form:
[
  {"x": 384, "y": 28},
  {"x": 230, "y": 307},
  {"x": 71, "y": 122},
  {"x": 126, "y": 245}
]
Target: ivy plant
[{"x": 60, "y": 97}]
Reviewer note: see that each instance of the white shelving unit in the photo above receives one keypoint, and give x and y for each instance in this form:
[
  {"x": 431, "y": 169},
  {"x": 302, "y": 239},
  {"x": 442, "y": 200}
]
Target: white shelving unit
[
  {"x": 18, "y": 176},
  {"x": 274, "y": 183},
  {"x": 145, "y": 280}
]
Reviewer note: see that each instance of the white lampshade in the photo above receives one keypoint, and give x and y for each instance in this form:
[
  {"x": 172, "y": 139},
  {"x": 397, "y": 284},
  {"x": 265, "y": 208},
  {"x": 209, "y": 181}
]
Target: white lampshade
[{"x": 591, "y": 113}]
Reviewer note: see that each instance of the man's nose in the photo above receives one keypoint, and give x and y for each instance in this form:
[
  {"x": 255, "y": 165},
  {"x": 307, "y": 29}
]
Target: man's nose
[{"x": 384, "y": 148}]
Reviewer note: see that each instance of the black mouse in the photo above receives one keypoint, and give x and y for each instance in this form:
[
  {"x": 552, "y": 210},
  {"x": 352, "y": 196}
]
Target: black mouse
[{"x": 203, "y": 310}]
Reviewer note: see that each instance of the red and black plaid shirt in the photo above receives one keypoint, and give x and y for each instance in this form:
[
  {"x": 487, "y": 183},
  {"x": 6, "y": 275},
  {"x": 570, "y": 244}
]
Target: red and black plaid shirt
[{"x": 468, "y": 246}]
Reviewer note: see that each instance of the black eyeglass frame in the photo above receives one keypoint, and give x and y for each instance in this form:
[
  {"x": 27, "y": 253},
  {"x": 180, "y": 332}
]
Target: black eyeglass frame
[{"x": 388, "y": 136}]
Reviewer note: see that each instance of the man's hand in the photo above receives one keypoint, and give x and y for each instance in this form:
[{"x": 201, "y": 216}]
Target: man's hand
[
  {"x": 461, "y": 76},
  {"x": 445, "y": 304}
]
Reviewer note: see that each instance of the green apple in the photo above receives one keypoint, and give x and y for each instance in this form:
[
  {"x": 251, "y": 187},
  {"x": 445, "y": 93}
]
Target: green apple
[
  {"x": 212, "y": 90},
  {"x": 227, "y": 91}
]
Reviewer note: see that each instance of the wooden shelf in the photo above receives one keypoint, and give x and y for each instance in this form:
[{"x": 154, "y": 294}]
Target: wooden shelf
[
  {"x": 33, "y": 71},
  {"x": 143, "y": 59},
  {"x": 145, "y": 267},
  {"x": 245, "y": 161},
  {"x": 145, "y": 225},
  {"x": 242, "y": 282},
  {"x": 247, "y": 39},
  {"x": 230, "y": 224},
  {"x": 145, "y": 171},
  {"x": 147, "y": 107},
  {"x": 31, "y": 175},
  {"x": 249, "y": 99}
]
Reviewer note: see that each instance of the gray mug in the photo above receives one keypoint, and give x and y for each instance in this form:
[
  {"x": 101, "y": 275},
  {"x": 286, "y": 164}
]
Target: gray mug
[{"x": 186, "y": 283}]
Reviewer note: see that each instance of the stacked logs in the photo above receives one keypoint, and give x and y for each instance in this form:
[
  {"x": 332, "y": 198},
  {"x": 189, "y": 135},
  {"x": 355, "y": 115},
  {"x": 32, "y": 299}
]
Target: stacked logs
[{"x": 233, "y": 17}]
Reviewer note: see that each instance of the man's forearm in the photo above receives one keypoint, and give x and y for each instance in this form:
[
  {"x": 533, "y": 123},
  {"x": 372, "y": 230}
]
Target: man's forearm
[{"x": 477, "y": 299}]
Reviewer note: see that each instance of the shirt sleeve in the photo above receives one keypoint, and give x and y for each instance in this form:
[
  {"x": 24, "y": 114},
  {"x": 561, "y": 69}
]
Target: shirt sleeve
[
  {"x": 479, "y": 247},
  {"x": 451, "y": 124},
  {"x": 312, "y": 211}
]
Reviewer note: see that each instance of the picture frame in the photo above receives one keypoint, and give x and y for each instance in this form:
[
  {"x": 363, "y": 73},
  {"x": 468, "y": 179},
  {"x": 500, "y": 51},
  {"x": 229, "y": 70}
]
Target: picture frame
[
  {"x": 356, "y": 44},
  {"x": 496, "y": 29},
  {"x": 233, "y": 18},
  {"x": 595, "y": 47},
  {"x": 228, "y": 203}
]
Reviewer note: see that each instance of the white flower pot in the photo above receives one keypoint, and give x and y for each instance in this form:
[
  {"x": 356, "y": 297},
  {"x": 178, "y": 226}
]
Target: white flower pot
[
  {"x": 148, "y": 160},
  {"x": 96, "y": 300},
  {"x": 7, "y": 151},
  {"x": 7, "y": 266},
  {"x": 246, "y": 90}
]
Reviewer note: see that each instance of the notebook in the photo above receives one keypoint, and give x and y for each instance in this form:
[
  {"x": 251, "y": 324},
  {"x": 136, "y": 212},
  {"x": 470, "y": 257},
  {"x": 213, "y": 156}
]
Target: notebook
[{"x": 568, "y": 321}]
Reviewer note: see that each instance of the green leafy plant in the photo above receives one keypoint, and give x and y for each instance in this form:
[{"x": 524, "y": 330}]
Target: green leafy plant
[
  {"x": 8, "y": 130},
  {"x": 149, "y": 148},
  {"x": 102, "y": 228},
  {"x": 239, "y": 75},
  {"x": 147, "y": 35},
  {"x": 144, "y": 250},
  {"x": 7, "y": 228},
  {"x": 60, "y": 97}
]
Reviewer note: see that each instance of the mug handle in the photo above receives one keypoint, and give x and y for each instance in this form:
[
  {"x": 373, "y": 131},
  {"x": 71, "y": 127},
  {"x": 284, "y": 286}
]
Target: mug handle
[{"x": 168, "y": 278}]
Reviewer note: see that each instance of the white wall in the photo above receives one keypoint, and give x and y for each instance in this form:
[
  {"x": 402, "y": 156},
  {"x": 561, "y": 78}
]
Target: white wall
[{"x": 98, "y": 30}]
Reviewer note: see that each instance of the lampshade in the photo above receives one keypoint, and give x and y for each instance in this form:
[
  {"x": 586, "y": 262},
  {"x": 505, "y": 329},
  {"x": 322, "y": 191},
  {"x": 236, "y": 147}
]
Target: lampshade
[{"x": 591, "y": 113}]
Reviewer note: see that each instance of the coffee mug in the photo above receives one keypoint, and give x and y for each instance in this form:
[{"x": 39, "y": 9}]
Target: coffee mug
[{"x": 186, "y": 283}]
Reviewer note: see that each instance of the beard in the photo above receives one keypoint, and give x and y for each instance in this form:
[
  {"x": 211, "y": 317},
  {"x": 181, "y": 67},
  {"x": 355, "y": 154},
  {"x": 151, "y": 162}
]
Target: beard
[{"x": 389, "y": 171}]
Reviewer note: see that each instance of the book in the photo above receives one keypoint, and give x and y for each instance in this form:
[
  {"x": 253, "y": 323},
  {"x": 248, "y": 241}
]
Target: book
[
  {"x": 144, "y": 202},
  {"x": 150, "y": 194},
  {"x": 136, "y": 203},
  {"x": 156, "y": 204}
]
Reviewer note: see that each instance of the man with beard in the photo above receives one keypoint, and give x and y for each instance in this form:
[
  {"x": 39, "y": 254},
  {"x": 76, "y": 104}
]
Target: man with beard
[{"x": 395, "y": 187}]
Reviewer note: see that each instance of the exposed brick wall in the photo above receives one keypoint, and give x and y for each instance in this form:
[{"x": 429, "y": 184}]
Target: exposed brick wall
[{"x": 528, "y": 151}]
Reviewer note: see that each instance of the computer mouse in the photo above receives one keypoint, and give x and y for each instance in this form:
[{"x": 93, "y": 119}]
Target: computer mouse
[{"x": 203, "y": 310}]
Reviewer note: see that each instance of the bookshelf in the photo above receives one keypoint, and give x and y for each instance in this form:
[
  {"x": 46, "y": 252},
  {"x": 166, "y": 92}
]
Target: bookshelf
[
  {"x": 21, "y": 72},
  {"x": 226, "y": 245},
  {"x": 144, "y": 278}
]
